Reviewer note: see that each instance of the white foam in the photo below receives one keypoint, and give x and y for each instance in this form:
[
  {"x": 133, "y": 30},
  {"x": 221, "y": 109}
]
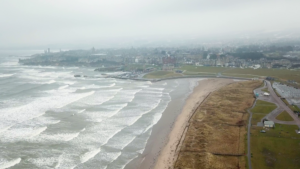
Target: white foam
[
  {"x": 59, "y": 137},
  {"x": 4, "y": 129},
  {"x": 88, "y": 155},
  {"x": 11, "y": 163},
  {"x": 58, "y": 162},
  {"x": 43, "y": 162},
  {"x": 82, "y": 130},
  {"x": 38, "y": 131},
  {"x": 29, "y": 111}
]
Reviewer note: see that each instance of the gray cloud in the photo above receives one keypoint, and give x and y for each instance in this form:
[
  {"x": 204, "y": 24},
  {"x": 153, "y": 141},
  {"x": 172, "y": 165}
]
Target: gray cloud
[{"x": 39, "y": 23}]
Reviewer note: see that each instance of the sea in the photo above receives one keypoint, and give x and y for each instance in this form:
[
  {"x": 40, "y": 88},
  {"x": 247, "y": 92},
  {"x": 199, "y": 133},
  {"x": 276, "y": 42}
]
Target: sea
[{"x": 51, "y": 119}]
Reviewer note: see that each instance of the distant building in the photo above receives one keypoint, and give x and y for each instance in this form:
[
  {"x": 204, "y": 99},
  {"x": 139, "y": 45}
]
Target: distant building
[
  {"x": 48, "y": 50},
  {"x": 269, "y": 124},
  {"x": 169, "y": 60}
]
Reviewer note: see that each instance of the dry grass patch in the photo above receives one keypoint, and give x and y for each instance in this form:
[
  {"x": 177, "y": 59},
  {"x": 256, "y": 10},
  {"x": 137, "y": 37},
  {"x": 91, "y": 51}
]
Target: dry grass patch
[{"x": 222, "y": 129}]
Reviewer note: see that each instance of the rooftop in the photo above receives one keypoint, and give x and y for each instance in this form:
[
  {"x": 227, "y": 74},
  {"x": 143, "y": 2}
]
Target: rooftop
[{"x": 269, "y": 122}]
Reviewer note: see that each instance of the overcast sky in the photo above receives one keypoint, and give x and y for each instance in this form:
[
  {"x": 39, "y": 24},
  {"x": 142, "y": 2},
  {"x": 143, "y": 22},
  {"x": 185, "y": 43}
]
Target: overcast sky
[{"x": 67, "y": 23}]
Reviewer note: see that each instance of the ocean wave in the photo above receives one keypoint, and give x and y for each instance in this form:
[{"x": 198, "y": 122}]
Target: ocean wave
[
  {"x": 63, "y": 87},
  {"x": 31, "y": 111},
  {"x": 6, "y": 75},
  {"x": 126, "y": 96},
  {"x": 5, "y": 129},
  {"x": 59, "y": 137},
  {"x": 88, "y": 155},
  {"x": 7, "y": 164},
  {"x": 109, "y": 112},
  {"x": 76, "y": 99},
  {"x": 118, "y": 110},
  {"x": 101, "y": 97},
  {"x": 81, "y": 111},
  {"x": 50, "y": 82},
  {"x": 93, "y": 86},
  {"x": 38, "y": 131}
]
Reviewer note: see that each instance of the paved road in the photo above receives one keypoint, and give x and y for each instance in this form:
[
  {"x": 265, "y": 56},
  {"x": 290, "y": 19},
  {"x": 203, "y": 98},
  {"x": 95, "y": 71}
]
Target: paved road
[{"x": 258, "y": 90}]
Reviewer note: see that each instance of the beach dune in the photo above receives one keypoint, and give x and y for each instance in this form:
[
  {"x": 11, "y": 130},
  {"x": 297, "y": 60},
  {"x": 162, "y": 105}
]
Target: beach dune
[{"x": 169, "y": 152}]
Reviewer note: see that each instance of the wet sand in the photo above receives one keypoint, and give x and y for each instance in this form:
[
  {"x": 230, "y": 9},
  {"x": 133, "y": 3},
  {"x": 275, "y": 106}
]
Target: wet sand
[{"x": 160, "y": 151}]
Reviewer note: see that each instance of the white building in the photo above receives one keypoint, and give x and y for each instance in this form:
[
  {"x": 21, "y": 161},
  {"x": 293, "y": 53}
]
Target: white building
[{"x": 269, "y": 124}]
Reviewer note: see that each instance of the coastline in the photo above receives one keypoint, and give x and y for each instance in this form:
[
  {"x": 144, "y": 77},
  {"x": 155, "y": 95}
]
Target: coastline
[{"x": 160, "y": 151}]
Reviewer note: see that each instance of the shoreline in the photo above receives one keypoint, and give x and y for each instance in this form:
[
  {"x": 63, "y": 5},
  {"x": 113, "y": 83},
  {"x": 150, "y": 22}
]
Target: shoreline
[{"x": 165, "y": 139}]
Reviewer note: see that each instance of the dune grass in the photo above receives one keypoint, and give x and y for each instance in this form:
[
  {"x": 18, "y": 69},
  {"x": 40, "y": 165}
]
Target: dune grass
[{"x": 214, "y": 129}]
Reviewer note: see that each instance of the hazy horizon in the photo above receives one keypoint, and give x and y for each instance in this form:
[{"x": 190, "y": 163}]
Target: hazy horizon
[{"x": 82, "y": 24}]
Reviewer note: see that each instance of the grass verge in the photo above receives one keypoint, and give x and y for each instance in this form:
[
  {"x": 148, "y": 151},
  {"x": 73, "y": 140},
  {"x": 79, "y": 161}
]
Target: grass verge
[
  {"x": 263, "y": 107},
  {"x": 284, "y": 116},
  {"x": 161, "y": 74}
]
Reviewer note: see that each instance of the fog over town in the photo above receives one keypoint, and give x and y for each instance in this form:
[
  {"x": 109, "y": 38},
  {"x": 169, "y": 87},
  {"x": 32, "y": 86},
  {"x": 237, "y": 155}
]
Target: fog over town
[{"x": 74, "y": 24}]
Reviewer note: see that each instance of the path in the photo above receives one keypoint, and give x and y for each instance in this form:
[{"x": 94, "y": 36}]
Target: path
[{"x": 249, "y": 127}]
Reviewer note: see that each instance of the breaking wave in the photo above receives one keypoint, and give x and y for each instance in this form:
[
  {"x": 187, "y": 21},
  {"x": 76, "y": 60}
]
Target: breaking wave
[
  {"x": 88, "y": 155},
  {"x": 11, "y": 163}
]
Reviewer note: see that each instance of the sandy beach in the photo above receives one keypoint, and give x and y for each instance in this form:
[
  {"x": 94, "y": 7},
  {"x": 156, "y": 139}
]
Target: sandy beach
[{"x": 160, "y": 151}]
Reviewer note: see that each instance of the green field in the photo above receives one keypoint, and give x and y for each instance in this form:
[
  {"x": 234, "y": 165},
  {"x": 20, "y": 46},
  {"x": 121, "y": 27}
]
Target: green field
[
  {"x": 131, "y": 67},
  {"x": 256, "y": 117},
  {"x": 203, "y": 69},
  {"x": 280, "y": 74},
  {"x": 240, "y": 75},
  {"x": 161, "y": 74},
  {"x": 294, "y": 108},
  {"x": 285, "y": 101},
  {"x": 276, "y": 149},
  {"x": 283, "y": 74},
  {"x": 199, "y": 73},
  {"x": 284, "y": 116},
  {"x": 263, "y": 107}
]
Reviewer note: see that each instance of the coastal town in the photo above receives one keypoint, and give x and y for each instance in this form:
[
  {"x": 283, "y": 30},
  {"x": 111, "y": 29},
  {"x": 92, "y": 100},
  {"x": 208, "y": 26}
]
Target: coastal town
[{"x": 168, "y": 58}]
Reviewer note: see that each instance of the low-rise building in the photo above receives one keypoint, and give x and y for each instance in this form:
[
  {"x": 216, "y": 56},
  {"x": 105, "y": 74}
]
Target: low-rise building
[{"x": 269, "y": 124}]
